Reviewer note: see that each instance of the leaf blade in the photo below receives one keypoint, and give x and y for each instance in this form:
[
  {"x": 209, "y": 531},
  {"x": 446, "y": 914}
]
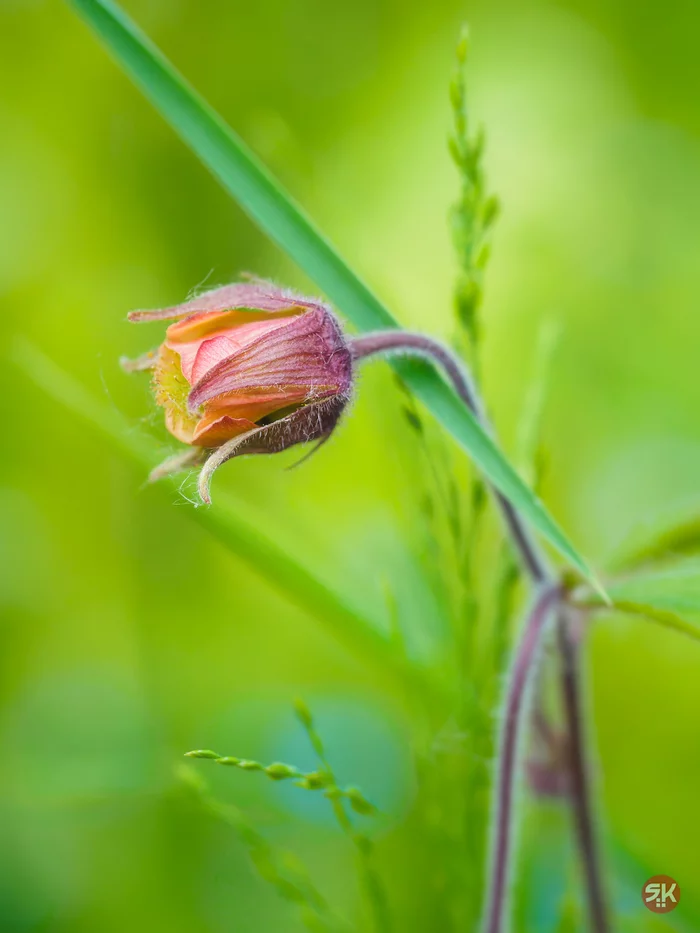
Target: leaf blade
[
  {"x": 669, "y": 596},
  {"x": 241, "y": 174},
  {"x": 269, "y": 560},
  {"x": 661, "y": 617},
  {"x": 673, "y": 589},
  {"x": 675, "y": 537}
]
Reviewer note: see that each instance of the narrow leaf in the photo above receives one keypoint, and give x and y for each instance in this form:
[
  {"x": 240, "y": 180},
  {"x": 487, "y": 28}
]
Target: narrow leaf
[
  {"x": 669, "y": 597},
  {"x": 242, "y": 175},
  {"x": 672, "y": 539},
  {"x": 244, "y": 539},
  {"x": 676, "y": 588},
  {"x": 661, "y": 617}
]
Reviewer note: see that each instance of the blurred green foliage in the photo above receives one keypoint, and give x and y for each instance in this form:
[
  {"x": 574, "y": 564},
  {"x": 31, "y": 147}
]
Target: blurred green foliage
[{"x": 128, "y": 636}]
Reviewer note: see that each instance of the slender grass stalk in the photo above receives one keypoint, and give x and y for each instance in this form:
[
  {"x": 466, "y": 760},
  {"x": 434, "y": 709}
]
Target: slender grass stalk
[
  {"x": 473, "y": 217},
  {"x": 279, "y": 771},
  {"x": 410, "y": 344},
  {"x": 322, "y": 780},
  {"x": 474, "y": 213},
  {"x": 376, "y": 895},
  {"x": 286, "y": 875}
]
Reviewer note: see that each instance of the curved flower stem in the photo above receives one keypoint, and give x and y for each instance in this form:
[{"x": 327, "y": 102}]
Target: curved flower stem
[
  {"x": 398, "y": 341},
  {"x": 580, "y": 789},
  {"x": 548, "y": 597},
  {"x": 513, "y": 717},
  {"x": 548, "y": 594}
]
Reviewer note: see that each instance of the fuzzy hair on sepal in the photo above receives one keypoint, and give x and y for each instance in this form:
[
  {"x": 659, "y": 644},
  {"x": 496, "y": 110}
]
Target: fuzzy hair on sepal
[{"x": 311, "y": 423}]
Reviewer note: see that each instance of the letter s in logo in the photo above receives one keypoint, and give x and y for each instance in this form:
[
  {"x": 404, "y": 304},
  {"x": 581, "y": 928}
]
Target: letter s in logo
[{"x": 651, "y": 891}]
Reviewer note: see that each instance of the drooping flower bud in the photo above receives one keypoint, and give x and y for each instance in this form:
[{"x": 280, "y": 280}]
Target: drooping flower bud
[{"x": 247, "y": 368}]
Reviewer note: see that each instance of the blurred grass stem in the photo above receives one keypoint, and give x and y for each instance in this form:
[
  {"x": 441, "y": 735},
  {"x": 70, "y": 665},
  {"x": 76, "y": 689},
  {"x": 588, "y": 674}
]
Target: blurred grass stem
[{"x": 412, "y": 344}]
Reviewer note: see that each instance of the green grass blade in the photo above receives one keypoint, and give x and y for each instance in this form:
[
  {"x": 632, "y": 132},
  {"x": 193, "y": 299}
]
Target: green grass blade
[
  {"x": 251, "y": 545},
  {"x": 661, "y": 617},
  {"x": 675, "y": 589},
  {"x": 674, "y": 539},
  {"x": 230, "y": 160},
  {"x": 669, "y": 596}
]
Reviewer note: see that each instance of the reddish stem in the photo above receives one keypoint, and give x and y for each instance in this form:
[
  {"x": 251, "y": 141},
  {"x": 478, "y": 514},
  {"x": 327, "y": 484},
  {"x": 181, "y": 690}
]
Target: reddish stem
[
  {"x": 548, "y": 596},
  {"x": 521, "y": 675},
  {"x": 580, "y": 785}
]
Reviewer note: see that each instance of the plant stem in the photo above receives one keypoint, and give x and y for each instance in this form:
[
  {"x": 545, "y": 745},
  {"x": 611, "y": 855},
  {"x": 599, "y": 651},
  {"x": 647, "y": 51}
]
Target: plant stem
[
  {"x": 580, "y": 789},
  {"x": 403, "y": 342},
  {"x": 521, "y": 674},
  {"x": 548, "y": 596},
  {"x": 386, "y": 342}
]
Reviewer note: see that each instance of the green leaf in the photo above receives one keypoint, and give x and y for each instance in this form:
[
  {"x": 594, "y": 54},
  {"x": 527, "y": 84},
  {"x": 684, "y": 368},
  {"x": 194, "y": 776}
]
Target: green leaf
[
  {"x": 243, "y": 538},
  {"x": 238, "y": 170},
  {"x": 662, "y": 617},
  {"x": 675, "y": 538},
  {"x": 676, "y": 588},
  {"x": 670, "y": 597}
]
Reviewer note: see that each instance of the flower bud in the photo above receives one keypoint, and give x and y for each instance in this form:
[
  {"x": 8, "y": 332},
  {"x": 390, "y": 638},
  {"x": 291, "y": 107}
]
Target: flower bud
[{"x": 248, "y": 368}]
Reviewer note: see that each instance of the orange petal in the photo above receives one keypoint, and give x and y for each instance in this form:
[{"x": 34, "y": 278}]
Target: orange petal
[
  {"x": 206, "y": 323},
  {"x": 254, "y": 407},
  {"x": 217, "y": 427}
]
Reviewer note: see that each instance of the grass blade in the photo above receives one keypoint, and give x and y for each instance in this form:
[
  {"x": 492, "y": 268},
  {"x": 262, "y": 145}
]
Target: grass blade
[
  {"x": 251, "y": 545},
  {"x": 674, "y": 589},
  {"x": 679, "y": 538},
  {"x": 669, "y": 596},
  {"x": 661, "y": 617},
  {"x": 242, "y": 175}
]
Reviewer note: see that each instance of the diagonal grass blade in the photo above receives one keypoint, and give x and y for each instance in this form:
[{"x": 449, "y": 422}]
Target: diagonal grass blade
[
  {"x": 242, "y": 175},
  {"x": 248, "y": 542}
]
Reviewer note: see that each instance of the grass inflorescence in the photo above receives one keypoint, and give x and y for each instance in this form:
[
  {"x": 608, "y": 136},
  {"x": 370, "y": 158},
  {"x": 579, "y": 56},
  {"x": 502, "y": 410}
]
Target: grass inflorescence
[
  {"x": 282, "y": 870},
  {"x": 475, "y": 212},
  {"x": 321, "y": 780},
  {"x": 324, "y": 780}
]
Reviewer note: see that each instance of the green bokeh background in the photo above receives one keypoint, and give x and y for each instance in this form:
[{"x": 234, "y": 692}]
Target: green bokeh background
[{"x": 128, "y": 636}]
